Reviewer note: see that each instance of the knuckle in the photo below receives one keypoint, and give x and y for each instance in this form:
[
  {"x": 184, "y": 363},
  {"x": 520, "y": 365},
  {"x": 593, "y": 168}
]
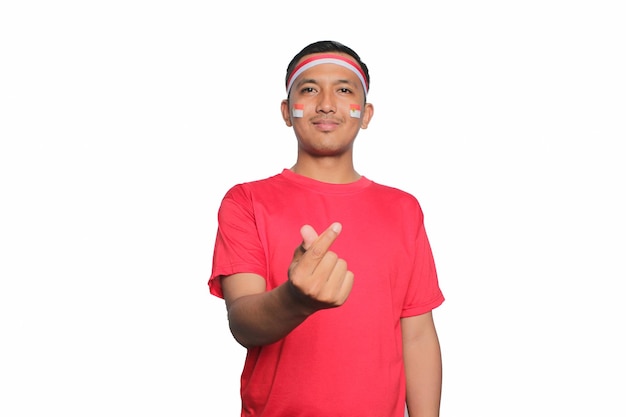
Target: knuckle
[
  {"x": 316, "y": 252},
  {"x": 332, "y": 256}
]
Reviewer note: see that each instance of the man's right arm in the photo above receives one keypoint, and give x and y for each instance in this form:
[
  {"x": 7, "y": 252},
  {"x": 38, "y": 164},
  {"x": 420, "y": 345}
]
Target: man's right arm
[
  {"x": 258, "y": 317},
  {"x": 317, "y": 279}
]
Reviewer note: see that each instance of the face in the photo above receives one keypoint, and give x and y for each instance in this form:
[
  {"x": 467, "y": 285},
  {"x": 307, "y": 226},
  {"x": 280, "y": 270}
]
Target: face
[{"x": 325, "y": 97}]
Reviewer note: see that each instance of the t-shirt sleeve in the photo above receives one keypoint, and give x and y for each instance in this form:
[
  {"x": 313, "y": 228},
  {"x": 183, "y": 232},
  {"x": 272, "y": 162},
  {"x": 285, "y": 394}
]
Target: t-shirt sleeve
[
  {"x": 424, "y": 293},
  {"x": 237, "y": 245}
]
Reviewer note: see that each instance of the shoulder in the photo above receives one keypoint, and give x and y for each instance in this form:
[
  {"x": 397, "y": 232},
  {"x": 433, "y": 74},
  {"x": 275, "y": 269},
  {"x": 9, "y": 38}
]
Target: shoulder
[
  {"x": 395, "y": 195},
  {"x": 245, "y": 190},
  {"x": 397, "y": 203}
]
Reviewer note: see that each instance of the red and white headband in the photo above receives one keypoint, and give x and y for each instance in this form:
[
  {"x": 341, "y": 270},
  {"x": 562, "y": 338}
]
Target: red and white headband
[{"x": 327, "y": 59}]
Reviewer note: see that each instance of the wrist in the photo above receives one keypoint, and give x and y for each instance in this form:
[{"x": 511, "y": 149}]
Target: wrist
[{"x": 298, "y": 302}]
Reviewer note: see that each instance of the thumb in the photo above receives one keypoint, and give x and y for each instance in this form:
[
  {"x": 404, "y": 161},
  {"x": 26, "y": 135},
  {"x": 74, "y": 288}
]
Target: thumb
[{"x": 309, "y": 235}]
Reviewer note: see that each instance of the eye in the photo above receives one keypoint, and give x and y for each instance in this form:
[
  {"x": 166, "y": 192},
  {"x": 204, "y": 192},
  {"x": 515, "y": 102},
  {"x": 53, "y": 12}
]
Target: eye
[
  {"x": 307, "y": 90},
  {"x": 345, "y": 90}
]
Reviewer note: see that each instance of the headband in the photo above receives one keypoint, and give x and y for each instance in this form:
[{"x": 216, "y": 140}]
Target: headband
[{"x": 327, "y": 59}]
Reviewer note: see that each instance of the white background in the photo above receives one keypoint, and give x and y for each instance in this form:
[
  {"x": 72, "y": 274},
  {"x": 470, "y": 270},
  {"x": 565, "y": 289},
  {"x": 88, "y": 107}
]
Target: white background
[{"x": 123, "y": 123}]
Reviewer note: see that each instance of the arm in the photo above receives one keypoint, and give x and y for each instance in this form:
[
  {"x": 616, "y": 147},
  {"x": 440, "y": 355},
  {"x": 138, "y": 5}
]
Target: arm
[
  {"x": 317, "y": 279},
  {"x": 422, "y": 362}
]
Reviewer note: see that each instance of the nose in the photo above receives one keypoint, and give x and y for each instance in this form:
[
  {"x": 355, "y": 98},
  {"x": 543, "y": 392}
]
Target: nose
[{"x": 326, "y": 102}]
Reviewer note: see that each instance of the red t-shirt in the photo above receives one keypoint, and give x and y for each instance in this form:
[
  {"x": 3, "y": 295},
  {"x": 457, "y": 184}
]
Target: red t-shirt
[{"x": 345, "y": 361}]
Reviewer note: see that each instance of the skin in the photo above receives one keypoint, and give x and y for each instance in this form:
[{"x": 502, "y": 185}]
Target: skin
[
  {"x": 318, "y": 278},
  {"x": 326, "y": 133}
]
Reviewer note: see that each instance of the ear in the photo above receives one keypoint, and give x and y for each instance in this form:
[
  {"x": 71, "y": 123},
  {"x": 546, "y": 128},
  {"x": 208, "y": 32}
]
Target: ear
[
  {"x": 367, "y": 115},
  {"x": 284, "y": 109}
]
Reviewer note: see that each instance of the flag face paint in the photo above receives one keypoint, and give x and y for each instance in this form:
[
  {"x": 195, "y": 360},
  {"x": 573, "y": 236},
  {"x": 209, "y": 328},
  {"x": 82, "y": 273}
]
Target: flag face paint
[
  {"x": 297, "y": 110},
  {"x": 355, "y": 111}
]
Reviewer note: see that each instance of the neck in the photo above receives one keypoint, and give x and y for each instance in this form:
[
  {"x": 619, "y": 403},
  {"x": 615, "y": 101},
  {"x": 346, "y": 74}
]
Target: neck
[{"x": 325, "y": 170}]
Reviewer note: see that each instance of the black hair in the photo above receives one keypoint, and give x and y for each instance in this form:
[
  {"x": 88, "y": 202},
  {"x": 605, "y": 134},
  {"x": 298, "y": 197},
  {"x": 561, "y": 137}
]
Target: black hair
[{"x": 326, "y": 46}]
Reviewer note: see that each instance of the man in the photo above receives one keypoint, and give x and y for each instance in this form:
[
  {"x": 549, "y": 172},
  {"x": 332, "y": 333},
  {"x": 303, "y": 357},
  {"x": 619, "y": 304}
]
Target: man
[{"x": 343, "y": 325}]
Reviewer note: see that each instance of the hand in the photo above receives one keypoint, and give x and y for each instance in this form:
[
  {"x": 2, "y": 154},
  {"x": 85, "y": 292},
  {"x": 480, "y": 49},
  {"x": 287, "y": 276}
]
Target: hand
[{"x": 318, "y": 278}]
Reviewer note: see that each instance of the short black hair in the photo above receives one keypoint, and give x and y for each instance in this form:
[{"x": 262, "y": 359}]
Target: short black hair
[{"x": 326, "y": 46}]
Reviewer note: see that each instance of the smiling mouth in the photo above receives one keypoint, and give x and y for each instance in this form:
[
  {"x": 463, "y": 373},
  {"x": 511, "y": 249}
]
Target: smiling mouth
[
  {"x": 325, "y": 121},
  {"x": 326, "y": 124}
]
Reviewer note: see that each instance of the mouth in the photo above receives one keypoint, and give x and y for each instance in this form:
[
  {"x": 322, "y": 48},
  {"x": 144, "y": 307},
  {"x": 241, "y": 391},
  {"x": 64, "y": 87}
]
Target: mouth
[{"x": 325, "y": 124}]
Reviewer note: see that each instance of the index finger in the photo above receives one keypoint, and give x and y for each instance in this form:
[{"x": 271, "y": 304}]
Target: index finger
[{"x": 321, "y": 245}]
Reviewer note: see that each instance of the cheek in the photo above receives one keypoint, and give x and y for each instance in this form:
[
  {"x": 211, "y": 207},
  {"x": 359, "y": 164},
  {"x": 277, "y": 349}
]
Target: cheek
[
  {"x": 355, "y": 111},
  {"x": 297, "y": 110}
]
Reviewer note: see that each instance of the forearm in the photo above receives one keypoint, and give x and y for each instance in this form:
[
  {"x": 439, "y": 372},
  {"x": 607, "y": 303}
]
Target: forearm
[
  {"x": 422, "y": 361},
  {"x": 317, "y": 279},
  {"x": 264, "y": 318}
]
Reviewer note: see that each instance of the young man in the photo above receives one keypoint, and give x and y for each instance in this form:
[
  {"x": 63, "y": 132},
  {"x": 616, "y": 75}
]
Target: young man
[{"x": 342, "y": 325}]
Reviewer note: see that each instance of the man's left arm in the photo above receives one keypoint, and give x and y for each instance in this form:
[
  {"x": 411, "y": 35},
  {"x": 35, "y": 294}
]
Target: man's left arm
[{"x": 422, "y": 363}]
